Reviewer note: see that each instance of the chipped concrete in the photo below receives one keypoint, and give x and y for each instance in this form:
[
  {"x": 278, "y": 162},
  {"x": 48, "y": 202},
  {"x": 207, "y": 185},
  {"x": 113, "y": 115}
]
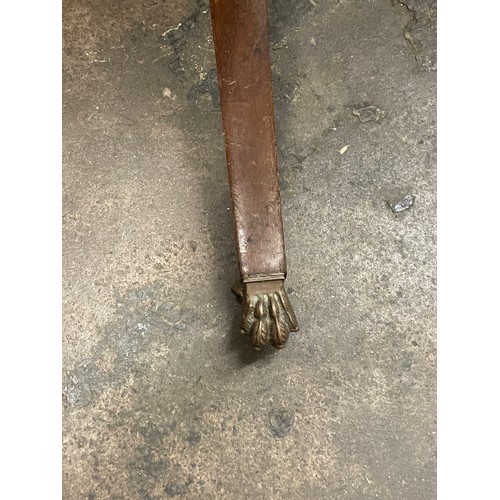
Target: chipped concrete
[{"x": 162, "y": 397}]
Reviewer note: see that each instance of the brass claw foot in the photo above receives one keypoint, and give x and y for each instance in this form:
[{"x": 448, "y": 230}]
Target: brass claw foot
[{"x": 268, "y": 316}]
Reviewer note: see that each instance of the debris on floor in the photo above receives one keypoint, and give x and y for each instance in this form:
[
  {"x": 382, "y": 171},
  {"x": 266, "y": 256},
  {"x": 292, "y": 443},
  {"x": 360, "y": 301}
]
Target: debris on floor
[
  {"x": 403, "y": 204},
  {"x": 368, "y": 114}
]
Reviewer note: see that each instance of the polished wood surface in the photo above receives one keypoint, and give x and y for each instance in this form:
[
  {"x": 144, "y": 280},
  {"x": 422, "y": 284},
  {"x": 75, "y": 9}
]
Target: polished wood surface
[{"x": 244, "y": 75}]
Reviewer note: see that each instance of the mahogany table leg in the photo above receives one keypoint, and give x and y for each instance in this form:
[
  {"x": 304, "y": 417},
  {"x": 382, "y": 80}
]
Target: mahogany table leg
[{"x": 244, "y": 74}]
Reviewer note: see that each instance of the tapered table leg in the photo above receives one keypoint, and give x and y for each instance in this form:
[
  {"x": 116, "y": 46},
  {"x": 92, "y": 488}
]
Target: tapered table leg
[{"x": 244, "y": 74}]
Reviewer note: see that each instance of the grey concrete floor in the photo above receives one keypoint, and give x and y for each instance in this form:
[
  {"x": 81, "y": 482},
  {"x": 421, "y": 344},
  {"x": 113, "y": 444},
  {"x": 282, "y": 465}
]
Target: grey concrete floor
[{"x": 162, "y": 396}]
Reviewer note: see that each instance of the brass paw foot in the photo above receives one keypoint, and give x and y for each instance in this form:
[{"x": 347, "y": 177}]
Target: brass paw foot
[{"x": 268, "y": 316}]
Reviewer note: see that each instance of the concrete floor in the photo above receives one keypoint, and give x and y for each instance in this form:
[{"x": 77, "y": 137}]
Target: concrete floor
[{"x": 162, "y": 396}]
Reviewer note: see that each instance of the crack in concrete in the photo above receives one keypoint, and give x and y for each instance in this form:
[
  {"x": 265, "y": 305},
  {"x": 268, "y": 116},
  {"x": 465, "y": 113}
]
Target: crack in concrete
[{"x": 421, "y": 32}]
